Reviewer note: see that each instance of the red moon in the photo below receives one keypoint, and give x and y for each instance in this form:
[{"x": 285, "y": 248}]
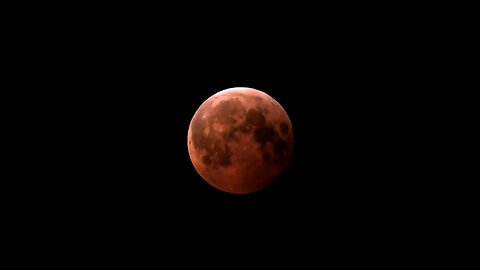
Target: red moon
[{"x": 240, "y": 140}]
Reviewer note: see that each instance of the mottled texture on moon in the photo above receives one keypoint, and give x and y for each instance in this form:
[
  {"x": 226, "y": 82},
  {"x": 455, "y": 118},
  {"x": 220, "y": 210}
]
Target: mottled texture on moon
[{"x": 240, "y": 140}]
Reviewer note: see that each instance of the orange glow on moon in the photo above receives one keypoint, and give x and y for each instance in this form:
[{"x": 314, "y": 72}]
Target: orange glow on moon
[{"x": 240, "y": 140}]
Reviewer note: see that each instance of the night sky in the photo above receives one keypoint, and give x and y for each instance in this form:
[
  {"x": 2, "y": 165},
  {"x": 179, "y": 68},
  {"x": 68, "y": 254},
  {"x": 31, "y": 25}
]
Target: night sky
[{"x": 139, "y": 75}]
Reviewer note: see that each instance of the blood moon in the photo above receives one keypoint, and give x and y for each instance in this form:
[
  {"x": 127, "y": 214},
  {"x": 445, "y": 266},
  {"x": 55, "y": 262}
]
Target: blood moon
[{"x": 240, "y": 140}]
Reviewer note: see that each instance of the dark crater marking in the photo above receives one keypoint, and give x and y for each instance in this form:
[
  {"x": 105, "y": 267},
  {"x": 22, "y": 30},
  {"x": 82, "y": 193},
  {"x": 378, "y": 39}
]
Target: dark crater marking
[
  {"x": 265, "y": 132},
  {"x": 218, "y": 154}
]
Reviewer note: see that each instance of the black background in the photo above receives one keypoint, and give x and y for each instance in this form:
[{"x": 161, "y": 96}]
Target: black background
[{"x": 125, "y": 82}]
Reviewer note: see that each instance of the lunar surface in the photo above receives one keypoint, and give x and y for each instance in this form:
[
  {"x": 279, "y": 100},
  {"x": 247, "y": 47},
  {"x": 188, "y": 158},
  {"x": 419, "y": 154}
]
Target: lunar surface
[{"x": 240, "y": 140}]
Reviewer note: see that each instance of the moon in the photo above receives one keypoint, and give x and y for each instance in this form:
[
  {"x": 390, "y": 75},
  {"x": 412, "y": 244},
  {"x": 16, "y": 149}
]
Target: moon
[{"x": 240, "y": 140}]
